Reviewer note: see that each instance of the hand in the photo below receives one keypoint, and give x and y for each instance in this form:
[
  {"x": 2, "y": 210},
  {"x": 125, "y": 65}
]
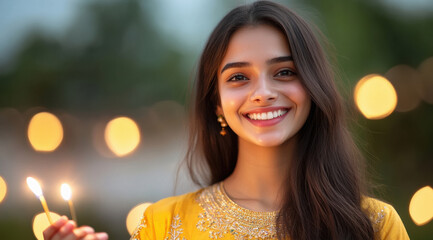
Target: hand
[{"x": 64, "y": 229}]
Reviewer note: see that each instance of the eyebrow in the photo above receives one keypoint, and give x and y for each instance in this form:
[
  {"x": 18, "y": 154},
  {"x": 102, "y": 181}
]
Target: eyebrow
[
  {"x": 279, "y": 59},
  {"x": 246, "y": 64}
]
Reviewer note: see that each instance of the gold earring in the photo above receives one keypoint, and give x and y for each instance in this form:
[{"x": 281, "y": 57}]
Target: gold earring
[{"x": 223, "y": 123}]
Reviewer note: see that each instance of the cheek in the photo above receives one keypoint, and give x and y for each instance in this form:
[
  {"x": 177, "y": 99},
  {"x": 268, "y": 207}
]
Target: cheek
[
  {"x": 299, "y": 95},
  {"x": 303, "y": 103},
  {"x": 231, "y": 100}
]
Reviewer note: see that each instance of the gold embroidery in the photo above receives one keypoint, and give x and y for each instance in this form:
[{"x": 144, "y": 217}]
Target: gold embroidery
[
  {"x": 142, "y": 225},
  {"x": 175, "y": 229},
  {"x": 376, "y": 218},
  {"x": 221, "y": 216}
]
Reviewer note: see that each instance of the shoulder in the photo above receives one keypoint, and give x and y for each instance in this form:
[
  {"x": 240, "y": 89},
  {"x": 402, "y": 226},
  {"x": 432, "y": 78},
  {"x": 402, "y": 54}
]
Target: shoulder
[
  {"x": 170, "y": 205},
  {"x": 385, "y": 219},
  {"x": 167, "y": 216}
]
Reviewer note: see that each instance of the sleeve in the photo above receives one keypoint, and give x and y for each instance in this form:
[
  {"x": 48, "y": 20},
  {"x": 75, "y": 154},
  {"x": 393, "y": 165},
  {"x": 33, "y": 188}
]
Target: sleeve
[
  {"x": 393, "y": 228},
  {"x": 162, "y": 219},
  {"x": 146, "y": 228}
]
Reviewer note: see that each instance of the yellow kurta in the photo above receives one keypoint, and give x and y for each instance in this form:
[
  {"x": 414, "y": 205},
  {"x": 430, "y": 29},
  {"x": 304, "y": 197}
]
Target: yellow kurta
[{"x": 210, "y": 214}]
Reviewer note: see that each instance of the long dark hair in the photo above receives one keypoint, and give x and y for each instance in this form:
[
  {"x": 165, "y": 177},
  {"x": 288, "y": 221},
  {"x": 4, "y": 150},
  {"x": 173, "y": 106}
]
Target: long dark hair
[{"x": 324, "y": 186}]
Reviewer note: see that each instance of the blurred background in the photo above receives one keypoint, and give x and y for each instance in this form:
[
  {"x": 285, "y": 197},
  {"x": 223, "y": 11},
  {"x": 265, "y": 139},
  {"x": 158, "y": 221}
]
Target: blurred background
[{"x": 93, "y": 93}]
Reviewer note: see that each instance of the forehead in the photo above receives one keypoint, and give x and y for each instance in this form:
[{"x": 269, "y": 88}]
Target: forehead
[{"x": 255, "y": 42}]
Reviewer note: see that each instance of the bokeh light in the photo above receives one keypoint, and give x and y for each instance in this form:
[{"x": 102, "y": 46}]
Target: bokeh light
[
  {"x": 122, "y": 136},
  {"x": 421, "y": 206},
  {"x": 40, "y": 223},
  {"x": 45, "y": 132},
  {"x": 134, "y": 216},
  {"x": 375, "y": 97},
  {"x": 3, "y": 189},
  {"x": 407, "y": 84}
]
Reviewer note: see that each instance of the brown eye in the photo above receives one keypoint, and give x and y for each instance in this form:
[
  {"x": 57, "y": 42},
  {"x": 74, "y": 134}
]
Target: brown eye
[
  {"x": 237, "y": 77},
  {"x": 285, "y": 73}
]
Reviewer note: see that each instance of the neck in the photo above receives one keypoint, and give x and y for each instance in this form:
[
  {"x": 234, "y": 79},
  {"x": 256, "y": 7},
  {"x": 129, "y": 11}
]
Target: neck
[{"x": 259, "y": 175}]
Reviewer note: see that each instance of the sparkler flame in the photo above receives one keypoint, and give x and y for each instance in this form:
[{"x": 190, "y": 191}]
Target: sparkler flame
[
  {"x": 66, "y": 191},
  {"x": 34, "y": 186}
]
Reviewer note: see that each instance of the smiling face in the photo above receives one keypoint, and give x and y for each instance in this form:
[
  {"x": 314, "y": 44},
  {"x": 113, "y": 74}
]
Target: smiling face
[{"x": 261, "y": 96}]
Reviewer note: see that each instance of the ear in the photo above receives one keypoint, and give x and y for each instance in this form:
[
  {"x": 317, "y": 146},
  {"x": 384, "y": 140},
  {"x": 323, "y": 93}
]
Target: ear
[{"x": 219, "y": 111}]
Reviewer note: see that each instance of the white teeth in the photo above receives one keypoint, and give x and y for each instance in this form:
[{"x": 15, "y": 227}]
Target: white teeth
[
  {"x": 270, "y": 115},
  {"x": 266, "y": 115}
]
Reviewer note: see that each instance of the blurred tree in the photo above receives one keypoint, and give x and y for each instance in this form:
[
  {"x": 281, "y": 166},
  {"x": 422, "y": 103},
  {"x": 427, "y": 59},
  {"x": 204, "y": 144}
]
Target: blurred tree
[{"x": 111, "y": 58}]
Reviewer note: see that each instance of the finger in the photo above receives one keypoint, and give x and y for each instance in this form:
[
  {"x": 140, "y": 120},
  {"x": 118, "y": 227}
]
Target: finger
[
  {"x": 87, "y": 229},
  {"x": 73, "y": 223},
  {"x": 54, "y": 228},
  {"x": 102, "y": 236},
  {"x": 79, "y": 233},
  {"x": 97, "y": 236},
  {"x": 71, "y": 236},
  {"x": 65, "y": 230}
]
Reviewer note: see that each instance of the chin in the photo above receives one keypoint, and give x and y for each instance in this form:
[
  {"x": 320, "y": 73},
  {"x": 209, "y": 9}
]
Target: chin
[{"x": 270, "y": 141}]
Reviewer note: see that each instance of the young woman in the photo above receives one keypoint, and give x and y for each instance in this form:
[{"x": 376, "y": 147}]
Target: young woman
[{"x": 269, "y": 140}]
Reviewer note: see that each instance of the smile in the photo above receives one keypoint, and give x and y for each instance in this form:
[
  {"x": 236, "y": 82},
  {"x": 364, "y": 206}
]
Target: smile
[{"x": 267, "y": 115}]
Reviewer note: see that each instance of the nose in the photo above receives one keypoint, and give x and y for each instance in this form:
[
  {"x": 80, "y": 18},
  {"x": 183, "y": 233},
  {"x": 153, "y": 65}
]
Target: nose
[{"x": 263, "y": 92}]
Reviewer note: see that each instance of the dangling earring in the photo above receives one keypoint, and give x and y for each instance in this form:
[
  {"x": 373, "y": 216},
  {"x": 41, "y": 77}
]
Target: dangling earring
[{"x": 223, "y": 122}]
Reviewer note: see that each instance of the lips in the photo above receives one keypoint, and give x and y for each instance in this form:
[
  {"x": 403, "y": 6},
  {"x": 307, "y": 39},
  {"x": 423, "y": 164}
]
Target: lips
[{"x": 266, "y": 116}]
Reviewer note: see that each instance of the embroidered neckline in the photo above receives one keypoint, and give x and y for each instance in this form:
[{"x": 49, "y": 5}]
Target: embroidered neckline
[
  {"x": 234, "y": 205},
  {"x": 222, "y": 215}
]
